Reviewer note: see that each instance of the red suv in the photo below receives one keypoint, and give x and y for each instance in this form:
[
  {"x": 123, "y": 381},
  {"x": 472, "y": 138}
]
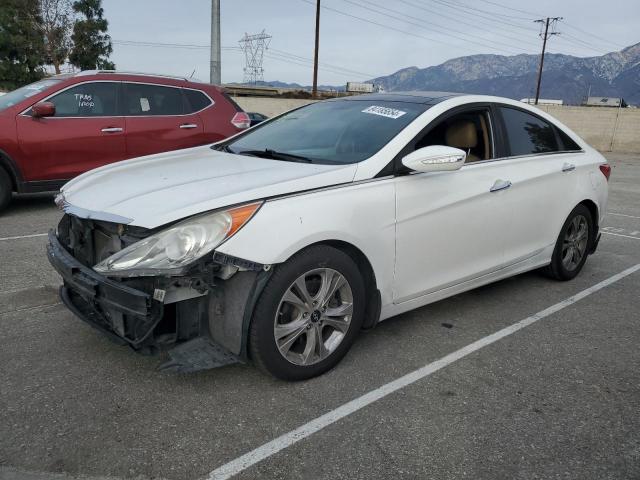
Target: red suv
[{"x": 60, "y": 127}]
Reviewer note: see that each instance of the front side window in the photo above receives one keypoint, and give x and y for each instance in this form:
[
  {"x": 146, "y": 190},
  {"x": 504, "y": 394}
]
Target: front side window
[
  {"x": 152, "y": 100},
  {"x": 469, "y": 131},
  {"x": 527, "y": 134},
  {"x": 93, "y": 99},
  {"x": 332, "y": 132}
]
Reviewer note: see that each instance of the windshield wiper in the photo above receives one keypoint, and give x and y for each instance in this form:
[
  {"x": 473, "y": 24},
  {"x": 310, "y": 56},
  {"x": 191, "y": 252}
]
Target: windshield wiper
[
  {"x": 222, "y": 148},
  {"x": 274, "y": 155}
]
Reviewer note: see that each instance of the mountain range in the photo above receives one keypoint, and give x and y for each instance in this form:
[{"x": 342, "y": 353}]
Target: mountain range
[{"x": 565, "y": 77}]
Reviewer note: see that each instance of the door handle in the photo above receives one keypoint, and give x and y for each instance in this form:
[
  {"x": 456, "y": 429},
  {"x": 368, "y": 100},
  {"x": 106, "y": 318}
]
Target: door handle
[
  {"x": 188, "y": 125},
  {"x": 567, "y": 167},
  {"x": 111, "y": 130},
  {"x": 500, "y": 185}
]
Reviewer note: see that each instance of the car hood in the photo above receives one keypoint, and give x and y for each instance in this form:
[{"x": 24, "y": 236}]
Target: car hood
[{"x": 159, "y": 189}]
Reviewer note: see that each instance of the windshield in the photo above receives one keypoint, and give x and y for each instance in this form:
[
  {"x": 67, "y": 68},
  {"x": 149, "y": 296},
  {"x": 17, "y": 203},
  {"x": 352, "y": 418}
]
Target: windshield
[
  {"x": 343, "y": 131},
  {"x": 16, "y": 96}
]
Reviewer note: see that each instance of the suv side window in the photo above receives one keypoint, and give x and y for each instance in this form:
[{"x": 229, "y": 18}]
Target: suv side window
[
  {"x": 92, "y": 99},
  {"x": 528, "y": 134},
  {"x": 152, "y": 100},
  {"x": 197, "y": 100}
]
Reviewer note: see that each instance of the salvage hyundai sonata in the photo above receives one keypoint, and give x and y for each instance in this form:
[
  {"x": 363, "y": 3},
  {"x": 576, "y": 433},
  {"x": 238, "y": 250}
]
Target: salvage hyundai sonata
[{"x": 279, "y": 245}]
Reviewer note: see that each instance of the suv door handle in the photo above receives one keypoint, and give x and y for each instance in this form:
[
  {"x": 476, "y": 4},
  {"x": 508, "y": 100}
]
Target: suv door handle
[
  {"x": 567, "y": 167},
  {"x": 188, "y": 125},
  {"x": 111, "y": 130},
  {"x": 500, "y": 185}
]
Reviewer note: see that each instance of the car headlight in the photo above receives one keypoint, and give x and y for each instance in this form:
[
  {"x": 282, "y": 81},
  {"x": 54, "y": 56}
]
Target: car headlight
[{"x": 178, "y": 245}]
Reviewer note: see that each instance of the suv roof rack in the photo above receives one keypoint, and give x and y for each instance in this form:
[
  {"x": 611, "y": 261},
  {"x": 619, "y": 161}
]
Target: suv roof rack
[{"x": 123, "y": 72}]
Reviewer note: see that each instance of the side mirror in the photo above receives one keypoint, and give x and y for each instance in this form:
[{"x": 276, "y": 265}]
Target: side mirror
[
  {"x": 43, "y": 109},
  {"x": 436, "y": 158}
]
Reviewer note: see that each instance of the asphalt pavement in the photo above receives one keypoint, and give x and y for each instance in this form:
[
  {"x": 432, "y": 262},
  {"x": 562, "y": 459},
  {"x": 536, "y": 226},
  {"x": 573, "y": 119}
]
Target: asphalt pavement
[{"x": 559, "y": 398}]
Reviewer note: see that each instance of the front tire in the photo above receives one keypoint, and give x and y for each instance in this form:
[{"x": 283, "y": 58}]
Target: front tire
[
  {"x": 573, "y": 244},
  {"x": 308, "y": 314},
  {"x": 5, "y": 189}
]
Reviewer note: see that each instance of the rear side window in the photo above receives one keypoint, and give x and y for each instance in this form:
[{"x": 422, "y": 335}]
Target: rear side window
[
  {"x": 528, "y": 134},
  {"x": 196, "y": 100},
  {"x": 568, "y": 144},
  {"x": 152, "y": 100},
  {"x": 93, "y": 99}
]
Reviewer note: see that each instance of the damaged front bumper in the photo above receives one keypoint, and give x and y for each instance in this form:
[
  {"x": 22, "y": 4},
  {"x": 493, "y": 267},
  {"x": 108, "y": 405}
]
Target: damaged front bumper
[{"x": 201, "y": 330}]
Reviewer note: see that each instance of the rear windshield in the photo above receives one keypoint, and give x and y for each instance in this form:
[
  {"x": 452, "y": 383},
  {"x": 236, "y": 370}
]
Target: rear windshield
[
  {"x": 343, "y": 131},
  {"x": 16, "y": 96}
]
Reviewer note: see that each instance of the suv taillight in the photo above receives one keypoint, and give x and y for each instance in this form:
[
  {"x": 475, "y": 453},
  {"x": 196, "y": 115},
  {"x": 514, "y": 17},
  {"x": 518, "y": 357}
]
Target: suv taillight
[
  {"x": 605, "y": 168},
  {"x": 241, "y": 120}
]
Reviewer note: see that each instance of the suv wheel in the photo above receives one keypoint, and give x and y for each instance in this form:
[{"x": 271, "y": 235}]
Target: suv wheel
[
  {"x": 5, "y": 189},
  {"x": 308, "y": 315}
]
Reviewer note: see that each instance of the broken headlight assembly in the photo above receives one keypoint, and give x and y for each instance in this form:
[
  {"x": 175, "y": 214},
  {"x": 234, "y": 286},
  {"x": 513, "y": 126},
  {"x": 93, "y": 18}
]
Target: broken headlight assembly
[{"x": 168, "y": 251}]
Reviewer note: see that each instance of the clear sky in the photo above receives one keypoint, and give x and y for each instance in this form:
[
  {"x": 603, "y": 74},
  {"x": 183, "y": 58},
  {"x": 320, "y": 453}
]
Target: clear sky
[{"x": 396, "y": 34}]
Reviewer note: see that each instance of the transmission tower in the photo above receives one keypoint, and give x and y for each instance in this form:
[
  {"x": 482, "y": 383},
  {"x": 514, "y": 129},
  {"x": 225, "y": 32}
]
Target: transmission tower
[{"x": 253, "y": 47}]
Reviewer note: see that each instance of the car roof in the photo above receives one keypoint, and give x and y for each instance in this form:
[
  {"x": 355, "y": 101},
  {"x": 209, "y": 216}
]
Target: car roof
[{"x": 420, "y": 97}]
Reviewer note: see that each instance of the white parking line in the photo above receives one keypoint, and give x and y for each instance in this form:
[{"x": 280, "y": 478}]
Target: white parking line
[
  {"x": 620, "y": 235},
  {"x": 2, "y": 239},
  {"x": 274, "y": 446},
  {"x": 621, "y": 215}
]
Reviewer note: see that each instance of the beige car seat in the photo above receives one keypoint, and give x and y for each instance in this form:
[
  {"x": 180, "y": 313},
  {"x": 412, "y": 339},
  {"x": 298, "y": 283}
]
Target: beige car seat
[{"x": 462, "y": 134}]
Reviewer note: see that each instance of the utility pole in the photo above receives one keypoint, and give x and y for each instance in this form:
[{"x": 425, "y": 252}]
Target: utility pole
[
  {"x": 214, "y": 72},
  {"x": 314, "y": 92},
  {"x": 548, "y": 21}
]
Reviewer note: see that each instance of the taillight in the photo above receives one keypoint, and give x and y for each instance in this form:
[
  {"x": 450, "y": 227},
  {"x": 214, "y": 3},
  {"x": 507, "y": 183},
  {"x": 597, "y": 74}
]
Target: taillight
[
  {"x": 241, "y": 120},
  {"x": 605, "y": 168}
]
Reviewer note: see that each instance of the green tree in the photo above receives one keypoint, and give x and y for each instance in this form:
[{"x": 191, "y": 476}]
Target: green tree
[
  {"x": 91, "y": 44},
  {"x": 57, "y": 25},
  {"x": 21, "y": 43}
]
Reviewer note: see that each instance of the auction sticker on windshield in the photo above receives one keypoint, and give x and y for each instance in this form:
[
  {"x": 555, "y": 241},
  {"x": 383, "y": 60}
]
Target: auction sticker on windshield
[{"x": 384, "y": 111}]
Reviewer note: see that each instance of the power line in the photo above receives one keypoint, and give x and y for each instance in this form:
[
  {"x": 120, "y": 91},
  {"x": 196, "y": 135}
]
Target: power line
[
  {"x": 275, "y": 54},
  {"x": 580, "y": 43},
  {"x": 456, "y": 17},
  {"x": 476, "y": 12},
  {"x": 388, "y": 27},
  {"x": 298, "y": 57},
  {"x": 446, "y": 31},
  {"x": 534, "y": 15},
  {"x": 590, "y": 34},
  {"x": 307, "y": 65},
  {"x": 493, "y": 12}
]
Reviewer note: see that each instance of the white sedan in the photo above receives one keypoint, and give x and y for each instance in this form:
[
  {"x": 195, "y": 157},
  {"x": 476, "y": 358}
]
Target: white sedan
[{"x": 279, "y": 245}]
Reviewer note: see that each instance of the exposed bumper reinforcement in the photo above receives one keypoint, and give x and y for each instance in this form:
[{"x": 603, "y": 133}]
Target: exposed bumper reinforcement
[{"x": 111, "y": 307}]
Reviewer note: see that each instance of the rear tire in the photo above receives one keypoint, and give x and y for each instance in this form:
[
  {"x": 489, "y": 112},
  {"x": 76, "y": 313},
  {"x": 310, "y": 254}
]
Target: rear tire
[
  {"x": 5, "y": 189},
  {"x": 308, "y": 314},
  {"x": 573, "y": 245}
]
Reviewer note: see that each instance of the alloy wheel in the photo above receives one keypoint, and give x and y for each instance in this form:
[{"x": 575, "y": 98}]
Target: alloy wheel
[
  {"x": 313, "y": 316},
  {"x": 574, "y": 245}
]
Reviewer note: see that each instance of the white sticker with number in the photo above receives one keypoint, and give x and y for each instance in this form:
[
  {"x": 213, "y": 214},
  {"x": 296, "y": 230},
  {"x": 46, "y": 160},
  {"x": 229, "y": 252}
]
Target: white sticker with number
[{"x": 384, "y": 111}]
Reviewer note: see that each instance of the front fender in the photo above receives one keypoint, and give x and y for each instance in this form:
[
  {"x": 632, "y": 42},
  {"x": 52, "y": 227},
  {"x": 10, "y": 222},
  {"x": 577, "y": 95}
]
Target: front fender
[{"x": 361, "y": 214}]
